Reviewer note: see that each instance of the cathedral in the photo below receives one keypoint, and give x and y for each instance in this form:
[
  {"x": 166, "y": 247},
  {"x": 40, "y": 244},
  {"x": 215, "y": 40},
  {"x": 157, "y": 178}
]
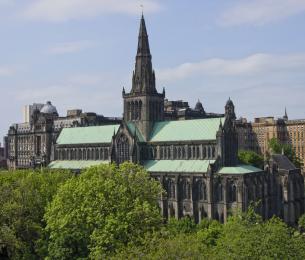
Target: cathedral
[{"x": 195, "y": 159}]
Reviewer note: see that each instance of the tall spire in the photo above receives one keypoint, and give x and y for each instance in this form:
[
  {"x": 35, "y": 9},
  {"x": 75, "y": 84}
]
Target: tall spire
[
  {"x": 143, "y": 81},
  {"x": 143, "y": 43},
  {"x": 285, "y": 117}
]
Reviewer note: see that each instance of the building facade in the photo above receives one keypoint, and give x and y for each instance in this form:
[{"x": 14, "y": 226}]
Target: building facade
[
  {"x": 29, "y": 144},
  {"x": 2, "y": 157},
  {"x": 195, "y": 160},
  {"x": 256, "y": 135}
]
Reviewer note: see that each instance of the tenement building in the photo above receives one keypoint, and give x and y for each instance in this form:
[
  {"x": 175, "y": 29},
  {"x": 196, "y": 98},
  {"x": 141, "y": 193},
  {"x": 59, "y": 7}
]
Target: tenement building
[
  {"x": 195, "y": 160},
  {"x": 256, "y": 135}
]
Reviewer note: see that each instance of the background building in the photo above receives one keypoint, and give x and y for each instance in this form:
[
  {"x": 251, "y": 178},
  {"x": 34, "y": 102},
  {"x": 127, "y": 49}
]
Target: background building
[
  {"x": 256, "y": 135},
  {"x": 30, "y": 143},
  {"x": 2, "y": 157}
]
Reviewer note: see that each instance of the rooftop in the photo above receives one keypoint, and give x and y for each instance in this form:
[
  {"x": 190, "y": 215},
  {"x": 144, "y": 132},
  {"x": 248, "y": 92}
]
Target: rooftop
[{"x": 87, "y": 135}]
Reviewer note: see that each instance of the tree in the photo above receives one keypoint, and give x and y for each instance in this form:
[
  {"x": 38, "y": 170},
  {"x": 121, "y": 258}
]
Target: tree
[
  {"x": 251, "y": 158},
  {"x": 104, "y": 209},
  {"x": 247, "y": 236},
  {"x": 23, "y": 198},
  {"x": 244, "y": 236},
  {"x": 278, "y": 148},
  {"x": 301, "y": 223},
  {"x": 185, "y": 225}
]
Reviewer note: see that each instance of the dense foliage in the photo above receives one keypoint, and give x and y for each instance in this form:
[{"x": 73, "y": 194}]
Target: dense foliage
[
  {"x": 104, "y": 209},
  {"x": 251, "y": 158},
  {"x": 244, "y": 236},
  {"x": 276, "y": 147},
  {"x": 111, "y": 212},
  {"x": 23, "y": 198}
]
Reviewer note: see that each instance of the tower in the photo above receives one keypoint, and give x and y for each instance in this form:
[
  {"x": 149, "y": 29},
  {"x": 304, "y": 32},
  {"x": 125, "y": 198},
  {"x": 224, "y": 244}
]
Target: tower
[
  {"x": 227, "y": 139},
  {"x": 143, "y": 105}
]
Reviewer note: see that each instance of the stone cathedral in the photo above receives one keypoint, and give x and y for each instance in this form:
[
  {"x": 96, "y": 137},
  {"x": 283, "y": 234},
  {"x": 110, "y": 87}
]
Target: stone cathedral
[{"x": 195, "y": 160}]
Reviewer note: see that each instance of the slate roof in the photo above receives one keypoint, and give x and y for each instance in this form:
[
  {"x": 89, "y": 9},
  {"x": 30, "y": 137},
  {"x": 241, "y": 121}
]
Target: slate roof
[
  {"x": 74, "y": 165},
  {"x": 240, "y": 169},
  {"x": 185, "y": 130},
  {"x": 190, "y": 166},
  {"x": 283, "y": 162},
  {"x": 87, "y": 135}
]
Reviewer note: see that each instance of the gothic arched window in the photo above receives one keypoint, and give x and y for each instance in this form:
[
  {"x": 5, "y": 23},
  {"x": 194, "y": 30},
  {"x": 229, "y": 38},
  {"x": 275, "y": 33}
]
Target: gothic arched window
[
  {"x": 213, "y": 151},
  {"x": 140, "y": 110},
  {"x": 123, "y": 149},
  {"x": 202, "y": 190},
  {"x": 171, "y": 189},
  {"x": 179, "y": 153},
  {"x": 175, "y": 152},
  {"x": 232, "y": 192},
  {"x": 218, "y": 192},
  {"x": 106, "y": 154},
  {"x": 197, "y": 152},
  {"x": 186, "y": 189},
  {"x": 204, "y": 152},
  {"x": 97, "y": 154}
]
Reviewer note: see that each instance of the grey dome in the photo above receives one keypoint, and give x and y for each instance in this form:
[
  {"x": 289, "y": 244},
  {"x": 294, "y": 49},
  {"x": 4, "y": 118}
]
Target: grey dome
[
  {"x": 199, "y": 106},
  {"x": 48, "y": 109}
]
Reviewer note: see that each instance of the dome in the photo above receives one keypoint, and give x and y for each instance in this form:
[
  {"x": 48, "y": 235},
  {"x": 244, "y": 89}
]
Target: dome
[
  {"x": 229, "y": 102},
  {"x": 199, "y": 106},
  {"x": 48, "y": 109}
]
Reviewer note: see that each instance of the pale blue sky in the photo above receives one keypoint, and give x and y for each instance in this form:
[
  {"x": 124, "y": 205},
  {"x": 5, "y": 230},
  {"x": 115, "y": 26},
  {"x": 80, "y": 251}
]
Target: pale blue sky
[{"x": 80, "y": 53}]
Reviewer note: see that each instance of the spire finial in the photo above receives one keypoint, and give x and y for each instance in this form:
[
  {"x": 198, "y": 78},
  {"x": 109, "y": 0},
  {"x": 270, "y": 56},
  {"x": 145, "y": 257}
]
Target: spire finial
[
  {"x": 285, "y": 116},
  {"x": 142, "y": 7}
]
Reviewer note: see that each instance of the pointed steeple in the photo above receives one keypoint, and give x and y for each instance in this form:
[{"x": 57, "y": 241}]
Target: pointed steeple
[
  {"x": 143, "y": 81},
  {"x": 285, "y": 117},
  {"x": 143, "y": 43}
]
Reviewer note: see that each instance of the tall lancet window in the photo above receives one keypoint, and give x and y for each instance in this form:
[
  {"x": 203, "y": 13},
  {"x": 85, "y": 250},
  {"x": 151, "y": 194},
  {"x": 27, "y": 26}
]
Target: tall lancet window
[{"x": 123, "y": 149}]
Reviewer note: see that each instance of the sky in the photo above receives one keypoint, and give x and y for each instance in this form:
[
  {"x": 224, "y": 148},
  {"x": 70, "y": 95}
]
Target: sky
[{"x": 80, "y": 54}]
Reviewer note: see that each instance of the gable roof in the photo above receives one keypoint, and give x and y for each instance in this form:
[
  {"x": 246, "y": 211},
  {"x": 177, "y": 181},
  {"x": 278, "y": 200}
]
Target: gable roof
[
  {"x": 240, "y": 169},
  {"x": 191, "y": 166},
  {"x": 283, "y": 162},
  {"x": 132, "y": 128},
  {"x": 186, "y": 130},
  {"x": 87, "y": 135}
]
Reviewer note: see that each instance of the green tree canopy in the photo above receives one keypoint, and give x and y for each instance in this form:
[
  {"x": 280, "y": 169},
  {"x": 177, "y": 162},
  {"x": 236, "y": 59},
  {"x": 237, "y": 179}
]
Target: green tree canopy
[
  {"x": 23, "y": 198},
  {"x": 244, "y": 236},
  {"x": 102, "y": 210},
  {"x": 251, "y": 158},
  {"x": 276, "y": 147}
]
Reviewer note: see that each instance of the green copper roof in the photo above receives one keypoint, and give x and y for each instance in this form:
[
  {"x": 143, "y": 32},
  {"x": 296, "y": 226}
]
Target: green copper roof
[
  {"x": 177, "y": 165},
  {"x": 74, "y": 165},
  {"x": 87, "y": 135},
  {"x": 240, "y": 169},
  {"x": 132, "y": 128},
  {"x": 186, "y": 130}
]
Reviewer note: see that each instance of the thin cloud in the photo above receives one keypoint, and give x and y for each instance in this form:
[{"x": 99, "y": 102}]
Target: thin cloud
[
  {"x": 255, "y": 65},
  {"x": 6, "y": 71},
  {"x": 70, "y": 47},
  {"x": 261, "y": 12},
  {"x": 65, "y": 10}
]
